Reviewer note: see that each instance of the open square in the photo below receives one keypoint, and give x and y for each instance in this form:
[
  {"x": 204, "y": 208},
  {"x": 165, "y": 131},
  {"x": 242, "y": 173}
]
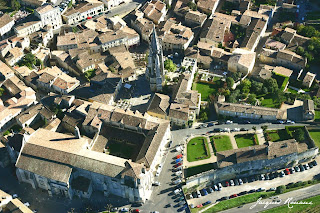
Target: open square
[{"x": 278, "y": 135}]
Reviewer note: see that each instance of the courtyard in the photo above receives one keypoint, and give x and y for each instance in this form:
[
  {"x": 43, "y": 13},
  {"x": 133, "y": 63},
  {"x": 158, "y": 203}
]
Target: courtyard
[
  {"x": 197, "y": 149},
  {"x": 245, "y": 140},
  {"x": 277, "y": 135},
  {"x": 205, "y": 89},
  {"x": 220, "y": 143}
]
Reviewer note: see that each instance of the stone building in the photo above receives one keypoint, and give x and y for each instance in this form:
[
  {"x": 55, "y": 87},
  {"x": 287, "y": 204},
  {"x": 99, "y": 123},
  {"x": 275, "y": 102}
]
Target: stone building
[{"x": 155, "y": 69}]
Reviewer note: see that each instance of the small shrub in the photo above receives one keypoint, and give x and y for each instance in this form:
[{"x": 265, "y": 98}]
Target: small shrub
[{"x": 280, "y": 189}]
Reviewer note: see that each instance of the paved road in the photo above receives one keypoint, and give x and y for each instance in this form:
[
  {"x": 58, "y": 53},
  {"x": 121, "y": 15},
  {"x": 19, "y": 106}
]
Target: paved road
[
  {"x": 283, "y": 199},
  {"x": 163, "y": 195},
  {"x": 267, "y": 184}
]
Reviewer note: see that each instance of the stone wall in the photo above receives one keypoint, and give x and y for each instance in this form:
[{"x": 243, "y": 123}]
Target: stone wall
[{"x": 246, "y": 169}]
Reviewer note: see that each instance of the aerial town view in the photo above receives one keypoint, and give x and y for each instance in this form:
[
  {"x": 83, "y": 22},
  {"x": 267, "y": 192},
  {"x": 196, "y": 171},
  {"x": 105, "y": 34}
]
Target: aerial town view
[{"x": 159, "y": 106}]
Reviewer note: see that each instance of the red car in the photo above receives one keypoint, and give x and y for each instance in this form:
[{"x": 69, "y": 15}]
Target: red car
[
  {"x": 199, "y": 206},
  {"x": 179, "y": 156},
  {"x": 136, "y": 211},
  {"x": 227, "y": 183},
  {"x": 232, "y": 196},
  {"x": 177, "y": 165},
  {"x": 287, "y": 171}
]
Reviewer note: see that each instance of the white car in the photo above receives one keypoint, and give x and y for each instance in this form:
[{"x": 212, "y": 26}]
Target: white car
[
  {"x": 178, "y": 173},
  {"x": 198, "y": 194},
  {"x": 14, "y": 196},
  {"x": 229, "y": 122},
  {"x": 219, "y": 185},
  {"x": 124, "y": 210},
  {"x": 231, "y": 183},
  {"x": 27, "y": 204},
  {"x": 177, "y": 181},
  {"x": 240, "y": 181},
  {"x": 177, "y": 191},
  {"x": 156, "y": 183}
]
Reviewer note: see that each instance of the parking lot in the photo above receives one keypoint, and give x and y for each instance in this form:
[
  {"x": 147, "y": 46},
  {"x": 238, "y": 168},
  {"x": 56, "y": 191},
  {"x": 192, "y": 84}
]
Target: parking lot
[{"x": 266, "y": 184}]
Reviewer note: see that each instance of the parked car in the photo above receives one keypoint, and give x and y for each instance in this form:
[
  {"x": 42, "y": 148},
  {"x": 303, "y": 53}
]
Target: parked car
[
  {"x": 229, "y": 122},
  {"x": 282, "y": 174},
  {"x": 234, "y": 195},
  {"x": 224, "y": 198},
  {"x": 177, "y": 191},
  {"x": 271, "y": 176},
  {"x": 236, "y": 182},
  {"x": 210, "y": 124},
  {"x": 231, "y": 183},
  {"x": 198, "y": 194},
  {"x": 315, "y": 163},
  {"x": 301, "y": 168},
  {"x": 191, "y": 206},
  {"x": 177, "y": 165},
  {"x": 297, "y": 168},
  {"x": 220, "y": 185},
  {"x": 245, "y": 180},
  {"x": 240, "y": 181},
  {"x": 177, "y": 181},
  {"x": 179, "y": 156},
  {"x": 243, "y": 193},
  {"x": 199, "y": 206},
  {"x": 251, "y": 191},
  {"x": 261, "y": 189},
  {"x": 306, "y": 166},
  {"x": 170, "y": 143},
  {"x": 310, "y": 165},
  {"x": 262, "y": 177},
  {"x": 178, "y": 173},
  {"x": 227, "y": 184},
  {"x": 210, "y": 190},
  {"x": 124, "y": 210},
  {"x": 292, "y": 170},
  {"x": 156, "y": 183},
  {"x": 204, "y": 192},
  {"x": 286, "y": 171},
  {"x": 215, "y": 188},
  {"x": 178, "y": 160},
  {"x": 27, "y": 204},
  {"x": 206, "y": 203},
  {"x": 189, "y": 196},
  {"x": 271, "y": 189}
]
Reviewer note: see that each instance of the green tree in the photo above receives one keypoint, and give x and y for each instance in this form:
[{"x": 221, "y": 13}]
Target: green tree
[
  {"x": 230, "y": 82},
  {"x": 252, "y": 99},
  {"x": 192, "y": 6},
  {"x": 300, "y": 50},
  {"x": 271, "y": 84},
  {"x": 169, "y": 65},
  {"x": 264, "y": 128},
  {"x": 246, "y": 83},
  {"x": 1, "y": 91},
  {"x": 28, "y": 60},
  {"x": 203, "y": 116},
  {"x": 256, "y": 87},
  {"x": 299, "y": 135},
  {"x": 279, "y": 96},
  {"x": 15, "y": 4},
  {"x": 280, "y": 189}
]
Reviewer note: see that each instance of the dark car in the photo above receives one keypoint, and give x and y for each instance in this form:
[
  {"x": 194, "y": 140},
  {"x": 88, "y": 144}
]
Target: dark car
[
  {"x": 236, "y": 182},
  {"x": 182, "y": 208},
  {"x": 224, "y": 198},
  {"x": 177, "y": 165},
  {"x": 204, "y": 192},
  {"x": 170, "y": 143},
  {"x": 267, "y": 177},
  {"x": 271, "y": 176},
  {"x": 243, "y": 193},
  {"x": 245, "y": 180},
  {"x": 217, "y": 130},
  {"x": 206, "y": 203},
  {"x": 251, "y": 191},
  {"x": 310, "y": 165},
  {"x": 301, "y": 168},
  {"x": 210, "y": 190},
  {"x": 315, "y": 163},
  {"x": 234, "y": 195},
  {"x": 210, "y": 124}
]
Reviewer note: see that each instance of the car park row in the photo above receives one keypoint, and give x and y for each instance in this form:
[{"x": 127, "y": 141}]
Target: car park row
[{"x": 239, "y": 181}]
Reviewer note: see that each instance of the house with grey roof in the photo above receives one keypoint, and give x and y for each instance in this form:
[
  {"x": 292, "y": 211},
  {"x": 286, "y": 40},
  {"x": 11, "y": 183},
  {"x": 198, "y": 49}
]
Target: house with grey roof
[
  {"x": 75, "y": 165},
  {"x": 308, "y": 110}
]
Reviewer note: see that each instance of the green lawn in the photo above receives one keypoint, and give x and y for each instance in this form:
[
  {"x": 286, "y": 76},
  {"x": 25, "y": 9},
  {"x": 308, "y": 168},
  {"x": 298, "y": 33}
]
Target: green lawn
[
  {"x": 205, "y": 90},
  {"x": 278, "y": 135},
  {"x": 121, "y": 149},
  {"x": 197, "y": 149},
  {"x": 317, "y": 116},
  {"x": 198, "y": 169},
  {"x": 313, "y": 16},
  {"x": 315, "y": 135},
  {"x": 221, "y": 143},
  {"x": 245, "y": 140},
  {"x": 269, "y": 102},
  {"x": 292, "y": 91},
  {"x": 315, "y": 207}
]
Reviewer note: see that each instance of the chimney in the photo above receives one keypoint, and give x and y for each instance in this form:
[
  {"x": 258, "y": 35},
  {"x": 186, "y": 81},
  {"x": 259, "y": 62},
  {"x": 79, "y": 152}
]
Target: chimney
[{"x": 77, "y": 132}]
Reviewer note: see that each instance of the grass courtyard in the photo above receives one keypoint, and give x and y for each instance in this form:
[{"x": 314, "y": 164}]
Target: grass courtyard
[
  {"x": 315, "y": 135},
  {"x": 268, "y": 101},
  {"x": 123, "y": 150},
  {"x": 197, "y": 149},
  {"x": 221, "y": 143},
  {"x": 205, "y": 90},
  {"x": 278, "y": 135},
  {"x": 245, "y": 140}
]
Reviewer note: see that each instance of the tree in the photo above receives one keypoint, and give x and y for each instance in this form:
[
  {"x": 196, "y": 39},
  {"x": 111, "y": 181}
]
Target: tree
[
  {"x": 254, "y": 128},
  {"x": 256, "y": 87},
  {"x": 246, "y": 83},
  {"x": 299, "y": 135},
  {"x": 279, "y": 96},
  {"x": 271, "y": 84},
  {"x": 300, "y": 50},
  {"x": 264, "y": 90},
  {"x": 1, "y": 91},
  {"x": 252, "y": 99},
  {"x": 203, "y": 116},
  {"x": 15, "y": 4},
  {"x": 230, "y": 82},
  {"x": 28, "y": 60},
  {"x": 192, "y": 6},
  {"x": 169, "y": 65},
  {"x": 280, "y": 189},
  {"x": 264, "y": 128}
]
